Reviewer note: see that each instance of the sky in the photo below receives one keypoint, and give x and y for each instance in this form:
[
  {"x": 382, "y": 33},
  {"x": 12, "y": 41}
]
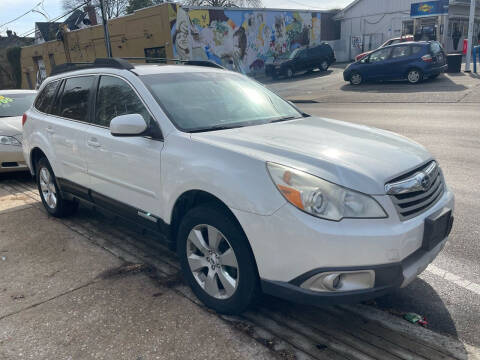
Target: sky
[{"x": 10, "y": 9}]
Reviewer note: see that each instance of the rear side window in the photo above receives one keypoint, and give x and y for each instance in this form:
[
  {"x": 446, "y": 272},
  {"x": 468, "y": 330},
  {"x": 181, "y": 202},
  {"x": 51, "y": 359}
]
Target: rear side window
[
  {"x": 114, "y": 98},
  {"x": 400, "y": 51},
  {"x": 416, "y": 50},
  {"x": 74, "y": 99},
  {"x": 45, "y": 99}
]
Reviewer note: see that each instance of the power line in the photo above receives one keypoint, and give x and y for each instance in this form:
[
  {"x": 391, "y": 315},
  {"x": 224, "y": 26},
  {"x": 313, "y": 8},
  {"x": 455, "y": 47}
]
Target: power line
[
  {"x": 29, "y": 32},
  {"x": 9, "y": 22}
]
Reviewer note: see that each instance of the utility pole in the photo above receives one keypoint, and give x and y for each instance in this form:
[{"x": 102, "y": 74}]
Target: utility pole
[
  {"x": 470, "y": 34},
  {"x": 108, "y": 47}
]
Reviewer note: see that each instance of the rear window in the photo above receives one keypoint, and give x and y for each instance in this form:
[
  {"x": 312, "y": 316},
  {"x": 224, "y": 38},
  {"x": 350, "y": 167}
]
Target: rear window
[
  {"x": 15, "y": 104},
  {"x": 45, "y": 99}
]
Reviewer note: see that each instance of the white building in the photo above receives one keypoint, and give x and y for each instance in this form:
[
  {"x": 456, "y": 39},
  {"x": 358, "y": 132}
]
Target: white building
[{"x": 366, "y": 24}]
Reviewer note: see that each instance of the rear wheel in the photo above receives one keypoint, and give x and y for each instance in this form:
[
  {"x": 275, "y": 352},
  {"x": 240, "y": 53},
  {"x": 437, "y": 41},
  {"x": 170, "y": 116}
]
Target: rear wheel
[
  {"x": 52, "y": 199},
  {"x": 324, "y": 65},
  {"x": 216, "y": 260},
  {"x": 414, "y": 76},
  {"x": 356, "y": 78}
]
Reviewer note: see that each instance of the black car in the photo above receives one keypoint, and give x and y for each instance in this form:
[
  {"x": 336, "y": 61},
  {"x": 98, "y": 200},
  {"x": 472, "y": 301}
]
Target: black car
[{"x": 302, "y": 59}]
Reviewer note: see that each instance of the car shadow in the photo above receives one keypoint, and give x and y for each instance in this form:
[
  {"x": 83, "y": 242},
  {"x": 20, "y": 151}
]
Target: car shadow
[
  {"x": 440, "y": 84},
  {"x": 300, "y": 76},
  {"x": 419, "y": 297}
]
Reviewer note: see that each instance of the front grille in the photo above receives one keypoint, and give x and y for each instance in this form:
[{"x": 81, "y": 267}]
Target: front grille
[{"x": 414, "y": 198}]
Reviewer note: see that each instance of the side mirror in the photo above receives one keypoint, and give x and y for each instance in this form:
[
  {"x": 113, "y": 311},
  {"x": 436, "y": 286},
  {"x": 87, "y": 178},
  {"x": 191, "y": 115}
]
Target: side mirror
[
  {"x": 128, "y": 125},
  {"x": 365, "y": 60}
]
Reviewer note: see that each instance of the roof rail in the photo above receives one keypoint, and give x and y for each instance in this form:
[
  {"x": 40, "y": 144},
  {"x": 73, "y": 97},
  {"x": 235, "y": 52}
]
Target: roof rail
[
  {"x": 116, "y": 63},
  {"x": 206, "y": 63}
]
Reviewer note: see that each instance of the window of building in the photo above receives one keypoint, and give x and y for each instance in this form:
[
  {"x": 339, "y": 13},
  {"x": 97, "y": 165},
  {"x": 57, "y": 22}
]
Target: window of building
[
  {"x": 29, "y": 80},
  {"x": 51, "y": 58},
  {"x": 114, "y": 98},
  {"x": 74, "y": 99},
  {"x": 155, "y": 52}
]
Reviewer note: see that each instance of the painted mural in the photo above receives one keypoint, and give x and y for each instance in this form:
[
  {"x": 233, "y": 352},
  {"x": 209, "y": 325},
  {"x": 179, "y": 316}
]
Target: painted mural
[{"x": 240, "y": 40}]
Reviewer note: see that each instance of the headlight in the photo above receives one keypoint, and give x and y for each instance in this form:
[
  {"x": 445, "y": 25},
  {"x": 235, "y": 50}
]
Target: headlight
[
  {"x": 321, "y": 198},
  {"x": 9, "y": 140}
]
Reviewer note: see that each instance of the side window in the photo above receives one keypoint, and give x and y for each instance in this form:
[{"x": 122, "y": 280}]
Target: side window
[
  {"x": 302, "y": 54},
  {"x": 45, "y": 99},
  {"x": 380, "y": 55},
  {"x": 400, "y": 51},
  {"x": 115, "y": 97},
  {"x": 416, "y": 49},
  {"x": 74, "y": 99}
]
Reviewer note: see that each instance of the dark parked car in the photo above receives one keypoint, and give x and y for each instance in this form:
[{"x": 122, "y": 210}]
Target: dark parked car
[
  {"x": 302, "y": 59},
  {"x": 413, "y": 61}
]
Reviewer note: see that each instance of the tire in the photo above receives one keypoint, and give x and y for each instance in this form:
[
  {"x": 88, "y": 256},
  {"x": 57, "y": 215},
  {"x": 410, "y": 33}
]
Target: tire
[
  {"x": 203, "y": 265},
  {"x": 289, "y": 72},
  {"x": 414, "y": 76},
  {"x": 356, "y": 78},
  {"x": 50, "y": 194},
  {"x": 324, "y": 65}
]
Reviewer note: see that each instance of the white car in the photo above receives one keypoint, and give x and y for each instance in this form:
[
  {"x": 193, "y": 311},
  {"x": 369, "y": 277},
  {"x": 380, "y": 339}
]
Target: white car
[
  {"x": 13, "y": 104},
  {"x": 254, "y": 194}
]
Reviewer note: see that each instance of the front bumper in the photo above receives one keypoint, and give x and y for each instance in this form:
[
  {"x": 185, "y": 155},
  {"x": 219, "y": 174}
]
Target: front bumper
[
  {"x": 290, "y": 245},
  {"x": 11, "y": 159},
  {"x": 388, "y": 277}
]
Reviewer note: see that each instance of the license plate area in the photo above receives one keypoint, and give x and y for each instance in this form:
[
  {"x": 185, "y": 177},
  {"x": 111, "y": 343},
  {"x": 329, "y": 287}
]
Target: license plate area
[{"x": 437, "y": 228}]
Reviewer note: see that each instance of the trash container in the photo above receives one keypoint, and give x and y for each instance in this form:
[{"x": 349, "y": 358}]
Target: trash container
[{"x": 454, "y": 62}]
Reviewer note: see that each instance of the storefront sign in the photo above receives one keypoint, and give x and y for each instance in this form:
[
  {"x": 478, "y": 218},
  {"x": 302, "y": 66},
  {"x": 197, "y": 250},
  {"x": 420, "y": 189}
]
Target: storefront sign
[{"x": 429, "y": 8}]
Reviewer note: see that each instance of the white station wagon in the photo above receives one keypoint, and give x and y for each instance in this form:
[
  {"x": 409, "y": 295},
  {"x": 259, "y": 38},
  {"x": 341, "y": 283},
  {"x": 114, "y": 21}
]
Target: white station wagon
[{"x": 254, "y": 194}]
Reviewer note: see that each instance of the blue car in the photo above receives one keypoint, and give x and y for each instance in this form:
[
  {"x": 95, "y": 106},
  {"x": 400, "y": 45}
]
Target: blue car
[{"x": 413, "y": 61}]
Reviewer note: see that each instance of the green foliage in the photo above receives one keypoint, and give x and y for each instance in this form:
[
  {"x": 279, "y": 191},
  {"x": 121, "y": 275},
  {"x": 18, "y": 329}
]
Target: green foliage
[
  {"x": 139, "y": 4},
  {"x": 13, "y": 57}
]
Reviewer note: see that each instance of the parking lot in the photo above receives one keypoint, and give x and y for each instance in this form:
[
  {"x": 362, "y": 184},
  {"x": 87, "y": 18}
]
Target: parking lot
[{"x": 86, "y": 286}]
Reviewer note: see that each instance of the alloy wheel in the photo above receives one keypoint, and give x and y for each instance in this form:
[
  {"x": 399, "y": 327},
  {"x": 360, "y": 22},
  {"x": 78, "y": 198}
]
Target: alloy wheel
[
  {"x": 289, "y": 73},
  {"x": 414, "y": 76},
  {"x": 324, "y": 65},
  {"x": 47, "y": 187},
  {"x": 356, "y": 79},
  {"x": 212, "y": 261}
]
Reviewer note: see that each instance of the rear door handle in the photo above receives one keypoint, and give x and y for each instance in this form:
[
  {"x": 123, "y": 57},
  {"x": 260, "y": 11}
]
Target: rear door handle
[{"x": 93, "y": 142}]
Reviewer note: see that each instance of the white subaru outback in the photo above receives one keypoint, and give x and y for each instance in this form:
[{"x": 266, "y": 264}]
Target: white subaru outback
[{"x": 254, "y": 194}]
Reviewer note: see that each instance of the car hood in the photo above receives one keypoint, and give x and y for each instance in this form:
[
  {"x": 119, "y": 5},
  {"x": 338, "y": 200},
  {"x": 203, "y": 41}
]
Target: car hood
[
  {"x": 354, "y": 156},
  {"x": 10, "y": 125}
]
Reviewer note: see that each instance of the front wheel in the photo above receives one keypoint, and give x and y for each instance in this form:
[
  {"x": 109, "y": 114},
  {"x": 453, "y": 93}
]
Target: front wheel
[
  {"x": 50, "y": 194},
  {"x": 216, "y": 260},
  {"x": 356, "y": 78},
  {"x": 324, "y": 65},
  {"x": 289, "y": 73},
  {"x": 414, "y": 76}
]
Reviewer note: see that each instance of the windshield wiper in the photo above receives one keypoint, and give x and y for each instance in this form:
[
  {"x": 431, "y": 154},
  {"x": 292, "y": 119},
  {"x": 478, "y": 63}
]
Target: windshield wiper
[
  {"x": 285, "y": 118},
  {"x": 217, "y": 127}
]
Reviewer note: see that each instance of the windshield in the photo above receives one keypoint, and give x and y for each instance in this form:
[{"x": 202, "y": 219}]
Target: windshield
[
  {"x": 15, "y": 104},
  {"x": 197, "y": 101},
  {"x": 294, "y": 53}
]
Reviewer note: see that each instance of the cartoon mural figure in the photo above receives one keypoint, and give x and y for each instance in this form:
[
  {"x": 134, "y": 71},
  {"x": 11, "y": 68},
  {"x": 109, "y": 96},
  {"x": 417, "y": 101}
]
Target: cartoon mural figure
[{"x": 242, "y": 40}]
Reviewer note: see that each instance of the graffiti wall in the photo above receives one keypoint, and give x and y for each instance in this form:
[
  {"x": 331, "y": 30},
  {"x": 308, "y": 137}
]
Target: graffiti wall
[{"x": 241, "y": 40}]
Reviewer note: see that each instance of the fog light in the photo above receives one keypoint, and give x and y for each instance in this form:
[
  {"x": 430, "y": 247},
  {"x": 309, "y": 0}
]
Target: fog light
[{"x": 341, "y": 281}]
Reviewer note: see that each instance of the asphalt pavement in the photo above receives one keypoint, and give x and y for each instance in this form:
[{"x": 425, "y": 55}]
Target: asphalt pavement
[{"x": 444, "y": 116}]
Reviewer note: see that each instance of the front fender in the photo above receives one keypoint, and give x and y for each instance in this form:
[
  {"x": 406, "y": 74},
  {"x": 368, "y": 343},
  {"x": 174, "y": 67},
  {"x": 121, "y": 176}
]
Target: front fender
[{"x": 240, "y": 181}]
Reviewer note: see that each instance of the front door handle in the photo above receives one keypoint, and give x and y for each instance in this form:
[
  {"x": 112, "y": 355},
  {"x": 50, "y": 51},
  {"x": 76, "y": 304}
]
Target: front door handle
[{"x": 93, "y": 143}]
